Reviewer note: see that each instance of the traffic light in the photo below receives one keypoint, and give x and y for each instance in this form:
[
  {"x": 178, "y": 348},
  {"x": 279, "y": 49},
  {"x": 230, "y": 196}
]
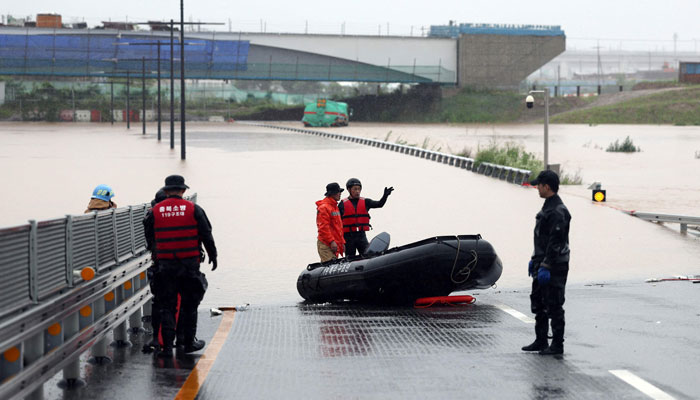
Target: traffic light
[{"x": 598, "y": 195}]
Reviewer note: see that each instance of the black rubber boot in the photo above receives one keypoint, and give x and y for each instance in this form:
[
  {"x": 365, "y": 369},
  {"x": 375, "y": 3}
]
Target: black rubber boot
[
  {"x": 554, "y": 349},
  {"x": 165, "y": 352},
  {"x": 538, "y": 345},
  {"x": 196, "y": 345}
]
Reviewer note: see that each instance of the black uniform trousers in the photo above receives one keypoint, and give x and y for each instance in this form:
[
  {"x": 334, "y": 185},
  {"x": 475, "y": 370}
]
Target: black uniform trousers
[
  {"x": 547, "y": 303},
  {"x": 180, "y": 277},
  {"x": 355, "y": 242}
]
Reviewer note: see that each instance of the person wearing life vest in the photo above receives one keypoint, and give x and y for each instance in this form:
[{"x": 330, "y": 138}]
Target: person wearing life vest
[
  {"x": 330, "y": 242},
  {"x": 355, "y": 214},
  {"x": 101, "y": 199},
  {"x": 174, "y": 229}
]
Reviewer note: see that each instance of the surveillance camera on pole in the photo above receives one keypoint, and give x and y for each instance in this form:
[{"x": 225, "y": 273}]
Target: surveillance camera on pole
[{"x": 530, "y": 101}]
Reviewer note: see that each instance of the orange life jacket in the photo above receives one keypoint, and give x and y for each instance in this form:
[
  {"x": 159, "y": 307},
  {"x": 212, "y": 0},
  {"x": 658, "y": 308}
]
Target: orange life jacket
[
  {"x": 355, "y": 220},
  {"x": 175, "y": 229}
]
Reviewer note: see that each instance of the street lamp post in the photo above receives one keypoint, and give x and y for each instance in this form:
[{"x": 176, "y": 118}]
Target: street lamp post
[
  {"x": 530, "y": 101},
  {"x": 143, "y": 94},
  {"x": 128, "y": 109}
]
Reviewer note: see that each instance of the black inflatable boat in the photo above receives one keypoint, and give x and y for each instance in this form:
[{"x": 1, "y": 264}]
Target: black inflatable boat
[{"x": 432, "y": 267}]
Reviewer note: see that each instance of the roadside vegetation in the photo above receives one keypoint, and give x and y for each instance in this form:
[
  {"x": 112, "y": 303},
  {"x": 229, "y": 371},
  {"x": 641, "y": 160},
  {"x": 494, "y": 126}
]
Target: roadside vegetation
[
  {"x": 514, "y": 155},
  {"x": 627, "y": 146}
]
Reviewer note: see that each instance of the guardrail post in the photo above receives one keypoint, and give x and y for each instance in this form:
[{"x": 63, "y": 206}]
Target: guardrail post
[
  {"x": 99, "y": 349},
  {"x": 135, "y": 323},
  {"x": 33, "y": 351},
  {"x": 71, "y": 373},
  {"x": 53, "y": 337},
  {"x": 86, "y": 317},
  {"x": 684, "y": 228},
  {"x": 33, "y": 280},
  {"x": 120, "y": 335},
  {"x": 10, "y": 362}
]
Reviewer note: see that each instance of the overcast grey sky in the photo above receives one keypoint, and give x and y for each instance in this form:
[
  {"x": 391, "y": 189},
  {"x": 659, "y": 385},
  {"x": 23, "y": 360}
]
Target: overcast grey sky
[{"x": 638, "y": 24}]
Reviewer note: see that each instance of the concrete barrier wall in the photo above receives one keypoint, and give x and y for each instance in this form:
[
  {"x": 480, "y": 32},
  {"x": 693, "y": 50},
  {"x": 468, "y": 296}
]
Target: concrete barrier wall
[{"x": 504, "y": 173}]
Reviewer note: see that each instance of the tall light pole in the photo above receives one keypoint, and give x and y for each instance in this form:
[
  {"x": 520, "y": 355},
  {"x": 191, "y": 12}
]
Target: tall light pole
[
  {"x": 182, "y": 80},
  {"x": 530, "y": 101}
]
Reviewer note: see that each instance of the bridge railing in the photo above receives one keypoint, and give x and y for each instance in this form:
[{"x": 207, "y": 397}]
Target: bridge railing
[{"x": 64, "y": 285}]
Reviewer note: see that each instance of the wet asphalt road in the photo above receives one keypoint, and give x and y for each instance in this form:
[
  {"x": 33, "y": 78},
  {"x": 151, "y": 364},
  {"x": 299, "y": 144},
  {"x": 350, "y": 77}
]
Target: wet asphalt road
[{"x": 349, "y": 351}]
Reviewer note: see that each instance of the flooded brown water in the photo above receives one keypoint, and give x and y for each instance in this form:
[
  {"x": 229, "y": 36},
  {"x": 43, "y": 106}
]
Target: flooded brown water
[
  {"x": 664, "y": 177},
  {"x": 259, "y": 186}
]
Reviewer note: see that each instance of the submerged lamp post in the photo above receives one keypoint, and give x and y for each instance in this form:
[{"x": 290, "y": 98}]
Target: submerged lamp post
[
  {"x": 183, "y": 146},
  {"x": 530, "y": 101}
]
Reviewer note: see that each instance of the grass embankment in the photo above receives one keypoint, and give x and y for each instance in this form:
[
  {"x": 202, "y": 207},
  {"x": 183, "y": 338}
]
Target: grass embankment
[
  {"x": 469, "y": 105},
  {"x": 676, "y": 107}
]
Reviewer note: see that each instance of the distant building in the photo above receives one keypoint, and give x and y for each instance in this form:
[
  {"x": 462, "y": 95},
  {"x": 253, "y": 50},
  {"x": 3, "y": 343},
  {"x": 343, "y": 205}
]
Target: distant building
[
  {"x": 689, "y": 72},
  {"x": 120, "y": 26},
  {"x": 12, "y": 21},
  {"x": 48, "y": 21}
]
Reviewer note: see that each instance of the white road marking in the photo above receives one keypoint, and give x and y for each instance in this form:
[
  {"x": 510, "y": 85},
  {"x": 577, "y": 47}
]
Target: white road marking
[
  {"x": 641, "y": 385},
  {"x": 517, "y": 314}
]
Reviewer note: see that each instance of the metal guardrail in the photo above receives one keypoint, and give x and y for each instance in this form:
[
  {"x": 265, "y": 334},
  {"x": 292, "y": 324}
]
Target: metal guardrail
[
  {"x": 505, "y": 173},
  {"x": 683, "y": 220},
  {"x": 49, "y": 313}
]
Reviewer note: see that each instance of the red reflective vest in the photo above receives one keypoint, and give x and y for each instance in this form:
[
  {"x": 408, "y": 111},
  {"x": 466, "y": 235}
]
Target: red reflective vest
[
  {"x": 355, "y": 220},
  {"x": 175, "y": 229}
]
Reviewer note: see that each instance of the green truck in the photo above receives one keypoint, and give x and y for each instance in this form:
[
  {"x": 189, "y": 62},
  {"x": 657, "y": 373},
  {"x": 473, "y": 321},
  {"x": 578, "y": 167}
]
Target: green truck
[{"x": 326, "y": 113}]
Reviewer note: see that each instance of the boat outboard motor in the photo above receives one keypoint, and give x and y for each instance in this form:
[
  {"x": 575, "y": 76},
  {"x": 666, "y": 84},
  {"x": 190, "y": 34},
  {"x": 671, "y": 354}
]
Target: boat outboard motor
[{"x": 378, "y": 245}]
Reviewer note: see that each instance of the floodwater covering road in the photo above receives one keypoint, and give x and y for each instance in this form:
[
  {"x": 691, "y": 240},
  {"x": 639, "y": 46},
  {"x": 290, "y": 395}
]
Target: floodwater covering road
[{"x": 259, "y": 185}]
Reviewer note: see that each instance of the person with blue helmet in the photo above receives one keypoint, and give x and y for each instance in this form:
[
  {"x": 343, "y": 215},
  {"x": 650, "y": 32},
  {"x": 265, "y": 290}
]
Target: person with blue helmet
[{"x": 101, "y": 199}]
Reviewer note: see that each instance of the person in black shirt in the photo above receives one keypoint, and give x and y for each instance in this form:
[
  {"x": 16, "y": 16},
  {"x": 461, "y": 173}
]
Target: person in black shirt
[
  {"x": 355, "y": 213},
  {"x": 549, "y": 266}
]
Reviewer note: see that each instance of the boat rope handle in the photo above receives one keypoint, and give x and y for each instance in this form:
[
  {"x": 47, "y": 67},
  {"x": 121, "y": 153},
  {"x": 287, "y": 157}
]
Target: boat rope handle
[{"x": 467, "y": 267}]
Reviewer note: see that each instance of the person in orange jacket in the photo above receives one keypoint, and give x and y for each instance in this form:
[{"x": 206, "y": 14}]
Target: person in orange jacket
[{"x": 330, "y": 241}]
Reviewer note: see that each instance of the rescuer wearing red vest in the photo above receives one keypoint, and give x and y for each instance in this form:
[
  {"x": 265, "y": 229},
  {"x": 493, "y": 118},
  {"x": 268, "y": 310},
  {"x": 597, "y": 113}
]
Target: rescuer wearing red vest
[
  {"x": 355, "y": 214},
  {"x": 174, "y": 229},
  {"x": 330, "y": 243}
]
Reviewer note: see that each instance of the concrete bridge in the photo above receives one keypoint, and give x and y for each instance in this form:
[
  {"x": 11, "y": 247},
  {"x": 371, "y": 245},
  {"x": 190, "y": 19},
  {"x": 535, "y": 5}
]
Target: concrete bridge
[{"x": 486, "y": 57}]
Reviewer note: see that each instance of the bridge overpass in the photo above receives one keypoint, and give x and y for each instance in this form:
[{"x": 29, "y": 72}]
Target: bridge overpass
[{"x": 491, "y": 57}]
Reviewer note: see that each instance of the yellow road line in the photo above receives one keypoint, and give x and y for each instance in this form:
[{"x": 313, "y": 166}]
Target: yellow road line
[{"x": 199, "y": 373}]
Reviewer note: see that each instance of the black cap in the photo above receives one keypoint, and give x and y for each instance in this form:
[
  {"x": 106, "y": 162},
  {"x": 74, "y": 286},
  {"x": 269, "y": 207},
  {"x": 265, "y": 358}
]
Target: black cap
[
  {"x": 333, "y": 188},
  {"x": 547, "y": 177},
  {"x": 175, "y": 182}
]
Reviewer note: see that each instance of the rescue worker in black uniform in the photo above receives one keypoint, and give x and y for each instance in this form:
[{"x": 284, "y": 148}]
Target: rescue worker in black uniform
[
  {"x": 549, "y": 266},
  {"x": 355, "y": 213},
  {"x": 175, "y": 228},
  {"x": 153, "y": 276}
]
